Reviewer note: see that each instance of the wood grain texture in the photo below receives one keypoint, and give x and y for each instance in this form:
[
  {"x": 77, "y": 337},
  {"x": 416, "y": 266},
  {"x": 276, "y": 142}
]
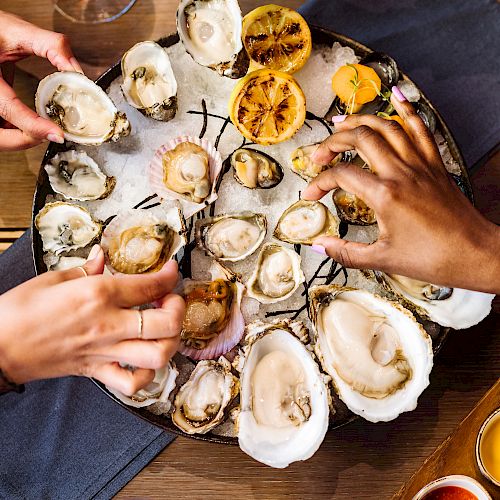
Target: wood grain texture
[
  {"x": 359, "y": 461},
  {"x": 456, "y": 455}
]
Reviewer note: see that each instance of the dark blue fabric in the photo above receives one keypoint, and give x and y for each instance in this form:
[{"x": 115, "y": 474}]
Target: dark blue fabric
[
  {"x": 64, "y": 438},
  {"x": 450, "y": 48}
]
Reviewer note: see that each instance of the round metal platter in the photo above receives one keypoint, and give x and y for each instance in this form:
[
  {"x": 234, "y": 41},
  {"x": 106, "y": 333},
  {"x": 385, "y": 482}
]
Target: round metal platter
[{"x": 320, "y": 36}]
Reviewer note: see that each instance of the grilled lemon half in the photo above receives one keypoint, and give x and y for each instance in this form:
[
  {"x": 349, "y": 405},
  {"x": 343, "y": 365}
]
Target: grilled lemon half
[
  {"x": 276, "y": 38},
  {"x": 267, "y": 106}
]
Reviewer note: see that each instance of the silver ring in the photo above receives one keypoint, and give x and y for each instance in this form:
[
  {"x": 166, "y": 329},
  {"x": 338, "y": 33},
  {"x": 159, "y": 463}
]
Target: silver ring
[
  {"x": 83, "y": 270},
  {"x": 141, "y": 326}
]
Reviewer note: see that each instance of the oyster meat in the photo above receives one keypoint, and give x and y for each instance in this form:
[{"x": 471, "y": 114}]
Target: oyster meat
[
  {"x": 283, "y": 397},
  {"x": 77, "y": 176},
  {"x": 451, "y": 307},
  {"x": 377, "y": 354},
  {"x": 64, "y": 227},
  {"x": 213, "y": 323},
  {"x": 81, "y": 108},
  {"x": 202, "y": 402},
  {"x": 149, "y": 84},
  {"x": 303, "y": 165},
  {"x": 277, "y": 274},
  {"x": 231, "y": 237},
  {"x": 210, "y": 31},
  {"x": 187, "y": 172},
  {"x": 351, "y": 208},
  {"x": 158, "y": 391},
  {"x": 139, "y": 241},
  {"x": 304, "y": 221},
  {"x": 255, "y": 169}
]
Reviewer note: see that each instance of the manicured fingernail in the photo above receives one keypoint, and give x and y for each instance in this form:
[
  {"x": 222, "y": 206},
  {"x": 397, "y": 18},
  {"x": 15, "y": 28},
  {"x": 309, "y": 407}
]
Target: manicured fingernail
[
  {"x": 76, "y": 65},
  {"x": 55, "y": 138},
  {"x": 96, "y": 249},
  {"x": 399, "y": 95},
  {"x": 318, "y": 249},
  {"x": 338, "y": 118}
]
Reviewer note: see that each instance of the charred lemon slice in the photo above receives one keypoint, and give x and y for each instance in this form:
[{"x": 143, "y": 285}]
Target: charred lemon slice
[
  {"x": 267, "y": 106},
  {"x": 276, "y": 38}
]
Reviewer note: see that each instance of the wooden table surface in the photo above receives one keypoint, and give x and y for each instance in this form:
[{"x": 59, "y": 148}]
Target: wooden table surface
[{"x": 359, "y": 461}]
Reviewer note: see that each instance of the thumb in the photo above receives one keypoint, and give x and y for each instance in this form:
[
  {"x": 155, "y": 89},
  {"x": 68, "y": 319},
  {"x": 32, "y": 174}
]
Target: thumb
[
  {"x": 95, "y": 261},
  {"x": 349, "y": 253},
  {"x": 14, "y": 111}
]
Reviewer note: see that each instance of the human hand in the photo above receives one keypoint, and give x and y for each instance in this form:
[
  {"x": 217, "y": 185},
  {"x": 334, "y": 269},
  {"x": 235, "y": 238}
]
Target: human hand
[
  {"x": 63, "y": 323},
  {"x": 428, "y": 229},
  {"x": 19, "y": 39}
]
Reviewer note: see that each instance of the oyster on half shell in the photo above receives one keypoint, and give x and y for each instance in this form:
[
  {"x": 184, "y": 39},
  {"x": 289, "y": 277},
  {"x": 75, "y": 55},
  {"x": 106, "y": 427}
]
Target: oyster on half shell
[
  {"x": 304, "y": 221},
  {"x": 202, "y": 402},
  {"x": 76, "y": 176},
  {"x": 303, "y": 165},
  {"x": 277, "y": 274},
  {"x": 210, "y": 31},
  {"x": 284, "y": 400},
  {"x": 139, "y": 241},
  {"x": 158, "y": 391},
  {"x": 213, "y": 322},
  {"x": 452, "y": 307},
  {"x": 377, "y": 354},
  {"x": 149, "y": 84},
  {"x": 81, "y": 108},
  {"x": 231, "y": 237},
  {"x": 255, "y": 169},
  {"x": 64, "y": 227}
]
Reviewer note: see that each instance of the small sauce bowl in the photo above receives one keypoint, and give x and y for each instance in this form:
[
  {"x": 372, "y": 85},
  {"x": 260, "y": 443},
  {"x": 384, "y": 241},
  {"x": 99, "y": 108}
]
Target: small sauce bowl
[
  {"x": 488, "y": 448},
  {"x": 465, "y": 482}
]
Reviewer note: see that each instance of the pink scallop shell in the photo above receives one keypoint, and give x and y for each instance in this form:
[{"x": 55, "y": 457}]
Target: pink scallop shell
[
  {"x": 189, "y": 208},
  {"x": 227, "y": 338}
]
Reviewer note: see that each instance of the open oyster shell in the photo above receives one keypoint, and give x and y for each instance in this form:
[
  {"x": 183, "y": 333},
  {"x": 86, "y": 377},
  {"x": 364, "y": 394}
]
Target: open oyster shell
[
  {"x": 77, "y": 176},
  {"x": 210, "y": 31},
  {"x": 186, "y": 169},
  {"x": 202, "y": 402},
  {"x": 213, "y": 322},
  {"x": 141, "y": 241},
  {"x": 277, "y": 274},
  {"x": 351, "y": 208},
  {"x": 255, "y": 169},
  {"x": 149, "y": 84},
  {"x": 377, "y": 354},
  {"x": 231, "y": 237},
  {"x": 303, "y": 165},
  {"x": 81, "y": 108},
  {"x": 452, "y": 307},
  {"x": 283, "y": 397},
  {"x": 64, "y": 227},
  {"x": 158, "y": 391},
  {"x": 304, "y": 221}
]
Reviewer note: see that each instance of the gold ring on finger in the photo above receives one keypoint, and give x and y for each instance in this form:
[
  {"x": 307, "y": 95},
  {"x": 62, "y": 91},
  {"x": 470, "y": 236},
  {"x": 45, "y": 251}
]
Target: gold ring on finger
[
  {"x": 141, "y": 326},
  {"x": 83, "y": 271}
]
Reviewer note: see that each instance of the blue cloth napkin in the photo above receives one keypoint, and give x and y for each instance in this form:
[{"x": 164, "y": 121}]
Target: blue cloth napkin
[
  {"x": 449, "y": 48},
  {"x": 64, "y": 438}
]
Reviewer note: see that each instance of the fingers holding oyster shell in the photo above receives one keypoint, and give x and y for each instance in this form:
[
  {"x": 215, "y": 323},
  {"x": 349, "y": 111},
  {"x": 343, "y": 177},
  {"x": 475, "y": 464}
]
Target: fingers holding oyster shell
[
  {"x": 347, "y": 176},
  {"x": 122, "y": 379}
]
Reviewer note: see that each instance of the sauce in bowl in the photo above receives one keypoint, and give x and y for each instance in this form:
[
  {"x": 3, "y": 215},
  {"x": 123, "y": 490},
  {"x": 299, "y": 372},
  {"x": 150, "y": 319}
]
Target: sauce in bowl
[
  {"x": 489, "y": 447},
  {"x": 450, "y": 493}
]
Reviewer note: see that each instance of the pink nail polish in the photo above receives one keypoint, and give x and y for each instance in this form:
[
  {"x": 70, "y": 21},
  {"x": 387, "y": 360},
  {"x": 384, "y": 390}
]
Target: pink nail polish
[
  {"x": 399, "y": 95},
  {"x": 338, "y": 118},
  {"x": 94, "y": 252},
  {"x": 55, "y": 138},
  {"x": 318, "y": 249}
]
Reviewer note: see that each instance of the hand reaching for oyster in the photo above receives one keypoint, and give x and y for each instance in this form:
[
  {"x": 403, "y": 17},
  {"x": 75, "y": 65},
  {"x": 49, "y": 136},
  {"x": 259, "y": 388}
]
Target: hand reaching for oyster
[
  {"x": 77, "y": 322},
  {"x": 22, "y": 127},
  {"x": 428, "y": 229}
]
